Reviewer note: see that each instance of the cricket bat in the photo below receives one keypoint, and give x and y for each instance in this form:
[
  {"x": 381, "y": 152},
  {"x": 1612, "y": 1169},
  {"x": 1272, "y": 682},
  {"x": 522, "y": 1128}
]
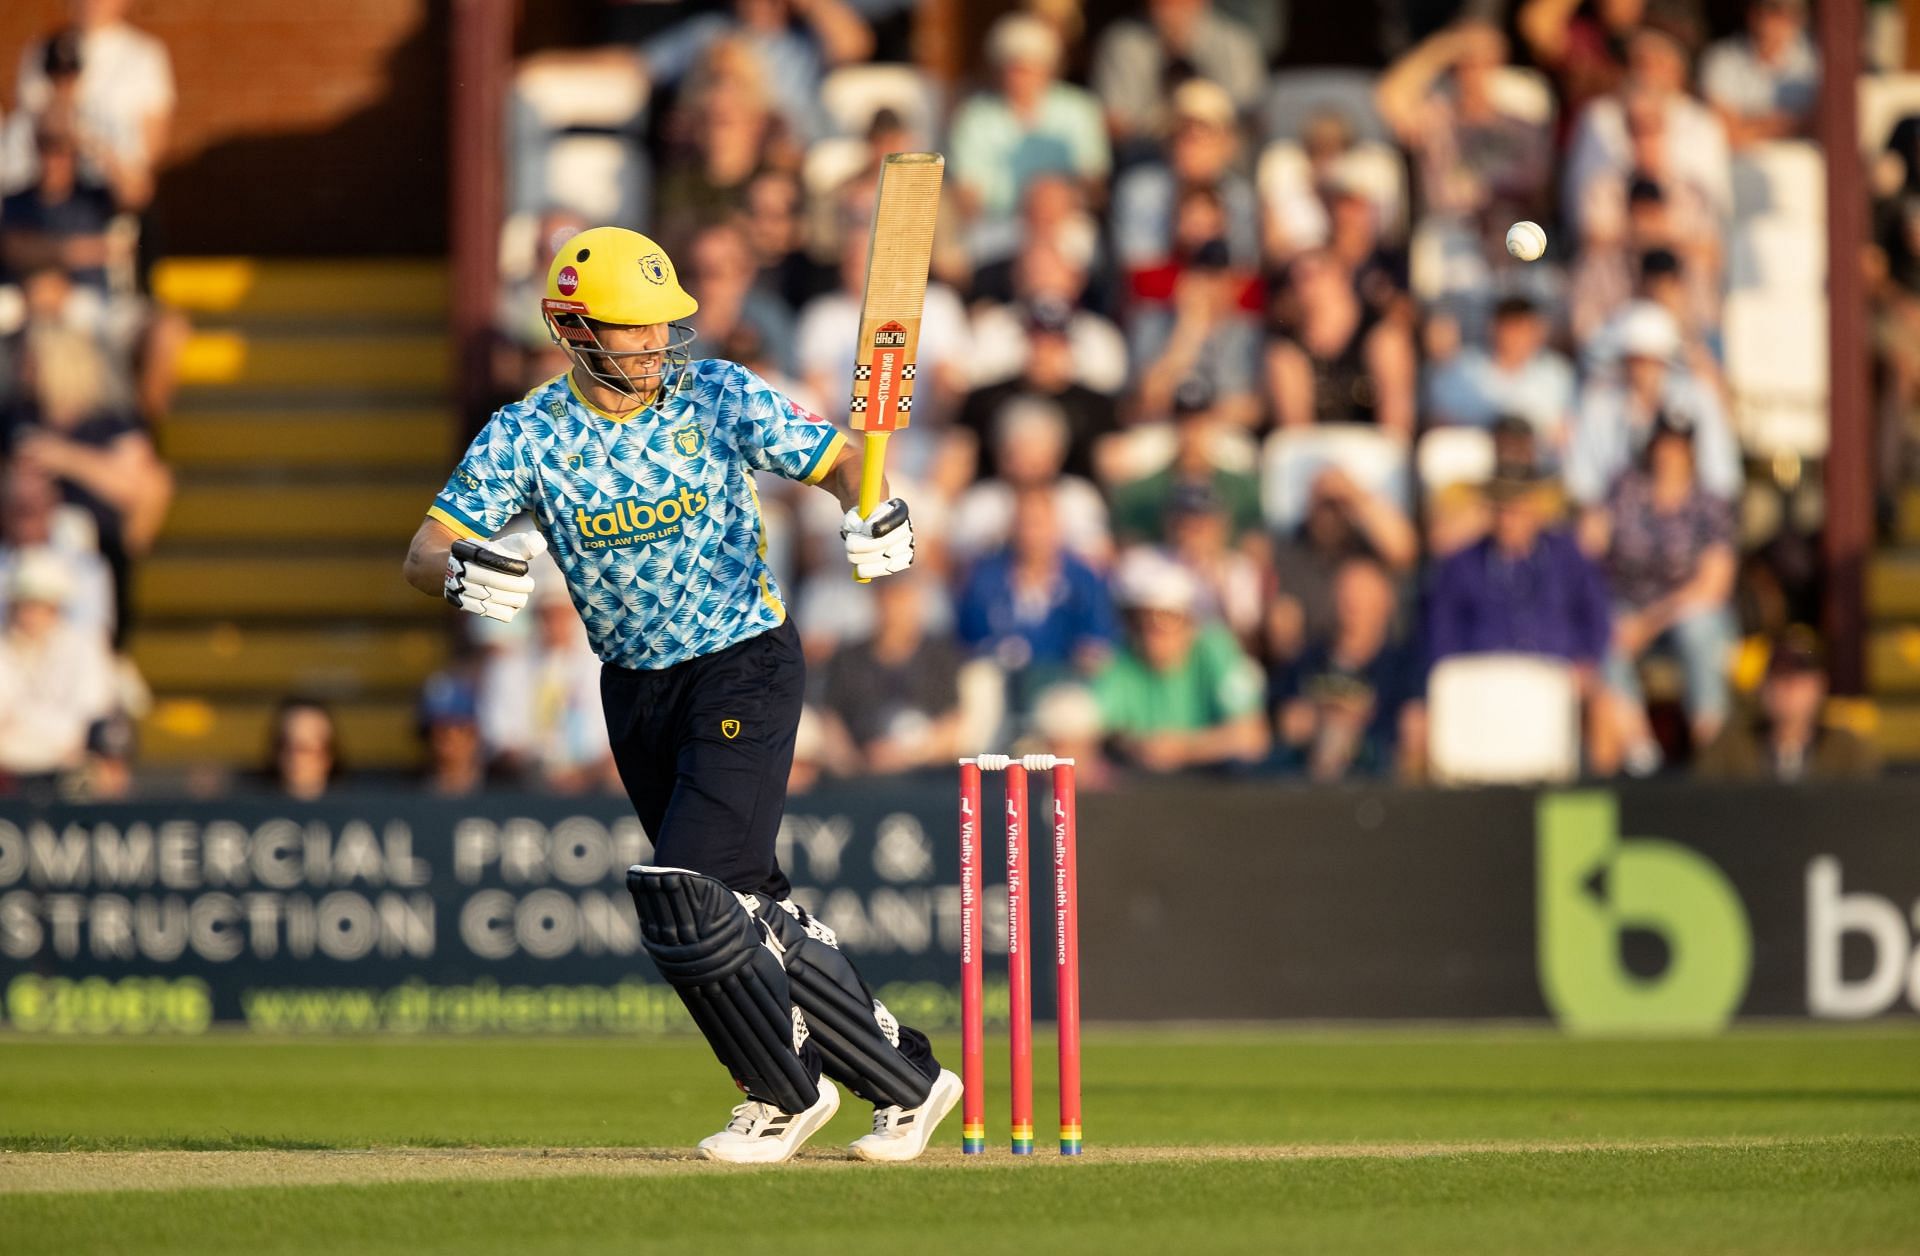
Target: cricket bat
[{"x": 899, "y": 253}]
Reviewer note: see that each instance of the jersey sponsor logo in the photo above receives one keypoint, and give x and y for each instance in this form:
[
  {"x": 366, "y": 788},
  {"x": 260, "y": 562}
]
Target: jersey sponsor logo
[
  {"x": 689, "y": 440},
  {"x": 729, "y": 729},
  {"x": 637, "y": 522},
  {"x": 654, "y": 267},
  {"x": 568, "y": 281}
]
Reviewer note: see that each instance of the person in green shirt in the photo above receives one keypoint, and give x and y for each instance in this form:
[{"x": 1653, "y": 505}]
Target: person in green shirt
[
  {"x": 1140, "y": 506},
  {"x": 1181, "y": 694}
]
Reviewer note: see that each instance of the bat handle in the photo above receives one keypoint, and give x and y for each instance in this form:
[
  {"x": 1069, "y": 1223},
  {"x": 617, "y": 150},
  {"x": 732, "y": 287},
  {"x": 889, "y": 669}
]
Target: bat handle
[{"x": 873, "y": 472}]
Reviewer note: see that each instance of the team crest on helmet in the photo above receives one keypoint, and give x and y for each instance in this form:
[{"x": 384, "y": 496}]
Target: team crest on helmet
[
  {"x": 568, "y": 281},
  {"x": 654, "y": 267},
  {"x": 689, "y": 440}
]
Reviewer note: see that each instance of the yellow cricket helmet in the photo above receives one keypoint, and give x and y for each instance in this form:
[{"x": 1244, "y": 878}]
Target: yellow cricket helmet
[{"x": 613, "y": 277}]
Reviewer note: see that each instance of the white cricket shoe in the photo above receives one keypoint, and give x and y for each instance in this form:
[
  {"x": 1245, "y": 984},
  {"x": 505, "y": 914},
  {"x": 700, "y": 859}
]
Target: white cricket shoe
[
  {"x": 902, "y": 1133},
  {"x": 760, "y": 1133}
]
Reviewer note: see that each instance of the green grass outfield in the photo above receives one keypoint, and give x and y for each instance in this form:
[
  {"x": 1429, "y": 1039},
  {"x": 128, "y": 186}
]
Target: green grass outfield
[{"x": 1775, "y": 1140}]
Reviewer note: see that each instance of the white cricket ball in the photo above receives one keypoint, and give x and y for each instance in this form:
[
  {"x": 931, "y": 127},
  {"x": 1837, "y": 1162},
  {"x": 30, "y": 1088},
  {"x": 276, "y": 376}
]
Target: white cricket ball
[{"x": 1526, "y": 241}]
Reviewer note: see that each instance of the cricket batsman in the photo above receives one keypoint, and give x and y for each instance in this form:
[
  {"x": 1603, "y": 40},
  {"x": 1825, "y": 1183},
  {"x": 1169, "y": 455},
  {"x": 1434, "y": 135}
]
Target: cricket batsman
[{"x": 637, "y": 467}]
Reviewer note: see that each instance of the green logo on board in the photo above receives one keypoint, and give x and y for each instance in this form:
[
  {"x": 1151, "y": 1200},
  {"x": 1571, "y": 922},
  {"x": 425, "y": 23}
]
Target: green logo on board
[{"x": 1597, "y": 888}]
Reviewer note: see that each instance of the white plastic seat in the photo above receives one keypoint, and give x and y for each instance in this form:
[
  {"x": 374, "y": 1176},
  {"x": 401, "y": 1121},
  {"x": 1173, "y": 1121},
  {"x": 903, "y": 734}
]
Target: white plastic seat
[
  {"x": 1297, "y": 95},
  {"x": 1884, "y": 100},
  {"x": 604, "y": 94},
  {"x": 829, "y": 163},
  {"x": 1447, "y": 456},
  {"x": 1785, "y": 258},
  {"x": 853, "y": 94},
  {"x": 1294, "y": 458},
  {"x": 1503, "y": 719},
  {"x": 1776, "y": 355},
  {"x": 1786, "y": 179},
  {"x": 1525, "y": 94},
  {"x": 601, "y": 177}
]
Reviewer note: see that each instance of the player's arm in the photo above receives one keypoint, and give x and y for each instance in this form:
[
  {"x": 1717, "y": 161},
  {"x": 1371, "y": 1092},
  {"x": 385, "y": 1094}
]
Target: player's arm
[
  {"x": 878, "y": 544},
  {"x": 455, "y": 552}
]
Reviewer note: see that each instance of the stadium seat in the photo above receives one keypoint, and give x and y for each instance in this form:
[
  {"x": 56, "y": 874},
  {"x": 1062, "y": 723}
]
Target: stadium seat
[
  {"x": 1503, "y": 719},
  {"x": 1884, "y": 100},
  {"x": 1283, "y": 173},
  {"x": 1297, "y": 95},
  {"x": 1783, "y": 257},
  {"x": 852, "y": 95},
  {"x": 1525, "y": 94},
  {"x": 1776, "y": 351},
  {"x": 605, "y": 178},
  {"x": 1294, "y": 458},
  {"x": 1786, "y": 179},
  {"x": 1448, "y": 456}
]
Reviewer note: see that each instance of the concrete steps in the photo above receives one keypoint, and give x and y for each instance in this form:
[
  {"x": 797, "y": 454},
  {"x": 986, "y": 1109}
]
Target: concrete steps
[
  {"x": 229, "y": 657},
  {"x": 300, "y": 512},
  {"x": 246, "y": 438},
  {"x": 187, "y": 731},
  {"x": 187, "y": 587},
  {"x": 265, "y": 290}
]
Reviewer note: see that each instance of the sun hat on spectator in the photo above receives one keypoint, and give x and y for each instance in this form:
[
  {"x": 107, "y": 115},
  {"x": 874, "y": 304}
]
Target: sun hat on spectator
[
  {"x": 1512, "y": 481},
  {"x": 40, "y": 576},
  {"x": 1202, "y": 100},
  {"x": 1020, "y": 38},
  {"x": 1648, "y": 330},
  {"x": 1148, "y": 581}
]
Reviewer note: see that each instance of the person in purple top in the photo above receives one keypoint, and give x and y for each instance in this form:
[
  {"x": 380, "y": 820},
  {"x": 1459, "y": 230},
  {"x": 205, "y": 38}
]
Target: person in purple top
[{"x": 1525, "y": 588}]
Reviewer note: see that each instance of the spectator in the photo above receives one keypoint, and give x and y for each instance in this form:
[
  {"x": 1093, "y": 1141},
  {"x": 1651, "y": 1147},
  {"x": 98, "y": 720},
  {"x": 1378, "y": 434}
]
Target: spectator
[
  {"x": 1764, "y": 83},
  {"x": 1030, "y": 446},
  {"x": 1207, "y": 333},
  {"x": 1629, "y": 213},
  {"x": 1033, "y": 608},
  {"x": 796, "y": 41},
  {"x": 1618, "y": 409},
  {"x": 1228, "y": 583},
  {"x": 1293, "y": 195},
  {"x": 1044, "y": 284},
  {"x": 1670, "y": 559},
  {"x": 1343, "y": 521},
  {"x": 450, "y": 727},
  {"x": 1380, "y": 272},
  {"x": 303, "y": 761},
  {"x": 1478, "y": 163},
  {"x": 1523, "y": 588},
  {"x": 1787, "y": 738},
  {"x": 32, "y": 521},
  {"x": 117, "y": 92},
  {"x": 1343, "y": 703},
  {"x": 897, "y": 693},
  {"x": 56, "y": 677},
  {"x": 777, "y": 231},
  {"x": 1201, "y": 152},
  {"x": 1656, "y": 80},
  {"x": 1047, "y": 374},
  {"x": 60, "y": 220},
  {"x": 102, "y": 458},
  {"x": 525, "y": 353},
  {"x": 540, "y": 705},
  {"x": 1179, "y": 695},
  {"x": 722, "y": 135},
  {"x": 1517, "y": 374},
  {"x": 1137, "y": 62},
  {"x": 722, "y": 264},
  {"x": 1140, "y": 506},
  {"x": 1332, "y": 361},
  {"x": 1031, "y": 124},
  {"x": 1584, "y": 46}
]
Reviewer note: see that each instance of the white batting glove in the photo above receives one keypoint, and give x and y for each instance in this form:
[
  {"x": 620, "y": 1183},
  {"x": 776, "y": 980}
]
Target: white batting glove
[
  {"x": 880, "y": 544},
  {"x": 490, "y": 577}
]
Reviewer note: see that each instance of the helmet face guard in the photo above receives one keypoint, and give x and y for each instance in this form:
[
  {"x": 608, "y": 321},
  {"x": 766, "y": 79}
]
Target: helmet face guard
[{"x": 663, "y": 369}]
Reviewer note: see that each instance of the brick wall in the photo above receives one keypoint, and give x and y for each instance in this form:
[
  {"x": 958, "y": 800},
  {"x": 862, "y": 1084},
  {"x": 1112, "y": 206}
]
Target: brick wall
[{"x": 302, "y": 128}]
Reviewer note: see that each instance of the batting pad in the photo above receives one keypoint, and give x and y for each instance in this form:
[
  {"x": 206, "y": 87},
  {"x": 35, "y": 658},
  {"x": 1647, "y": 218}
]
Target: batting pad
[
  {"x": 728, "y": 972},
  {"x": 856, "y": 1036}
]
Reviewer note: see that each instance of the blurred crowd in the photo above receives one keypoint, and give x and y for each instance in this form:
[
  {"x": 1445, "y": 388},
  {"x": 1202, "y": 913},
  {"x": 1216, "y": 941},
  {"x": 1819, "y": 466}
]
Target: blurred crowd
[
  {"x": 1236, "y": 423},
  {"x": 1240, "y": 442},
  {"x": 86, "y": 374}
]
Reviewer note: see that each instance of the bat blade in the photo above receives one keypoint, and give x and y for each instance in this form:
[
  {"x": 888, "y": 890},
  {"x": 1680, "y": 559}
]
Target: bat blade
[{"x": 899, "y": 254}]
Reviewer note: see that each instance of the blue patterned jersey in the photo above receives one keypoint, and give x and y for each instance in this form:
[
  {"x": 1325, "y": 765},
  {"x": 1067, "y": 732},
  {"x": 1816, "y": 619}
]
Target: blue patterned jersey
[{"x": 653, "y": 519}]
